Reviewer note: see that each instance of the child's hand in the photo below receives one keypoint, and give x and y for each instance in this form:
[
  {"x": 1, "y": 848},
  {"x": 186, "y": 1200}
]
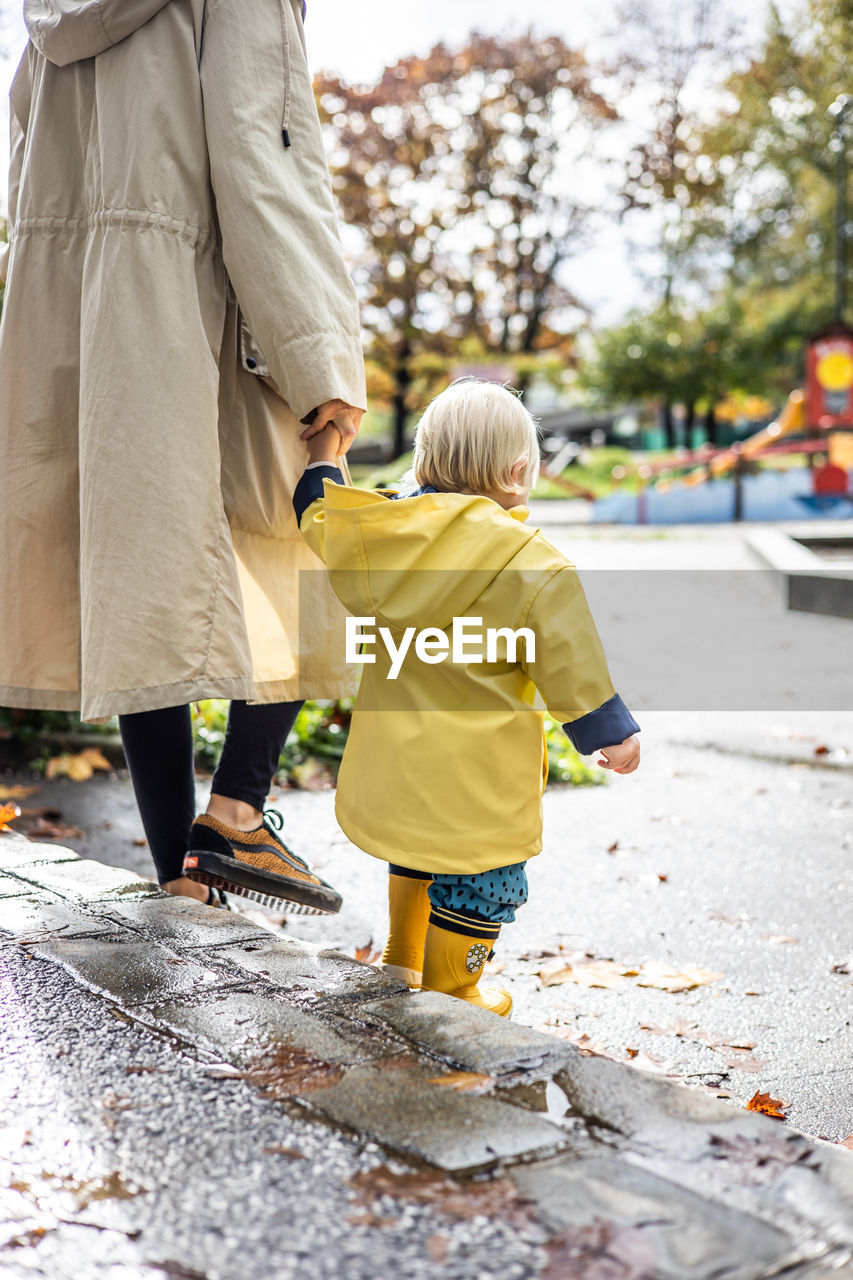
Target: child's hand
[
  {"x": 325, "y": 445},
  {"x": 344, "y": 416},
  {"x": 623, "y": 758}
]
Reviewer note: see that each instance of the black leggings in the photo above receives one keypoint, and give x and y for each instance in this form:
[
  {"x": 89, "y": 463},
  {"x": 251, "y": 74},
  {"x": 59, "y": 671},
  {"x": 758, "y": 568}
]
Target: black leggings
[{"x": 158, "y": 747}]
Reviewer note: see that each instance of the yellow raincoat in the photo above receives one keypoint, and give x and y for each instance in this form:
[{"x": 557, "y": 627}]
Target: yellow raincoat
[{"x": 445, "y": 766}]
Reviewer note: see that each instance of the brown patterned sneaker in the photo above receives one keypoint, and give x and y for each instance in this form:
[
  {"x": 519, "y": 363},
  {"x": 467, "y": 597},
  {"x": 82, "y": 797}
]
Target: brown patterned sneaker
[{"x": 258, "y": 865}]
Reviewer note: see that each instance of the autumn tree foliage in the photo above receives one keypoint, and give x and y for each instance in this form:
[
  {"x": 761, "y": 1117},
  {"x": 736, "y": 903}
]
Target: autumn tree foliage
[
  {"x": 460, "y": 176},
  {"x": 738, "y": 170}
]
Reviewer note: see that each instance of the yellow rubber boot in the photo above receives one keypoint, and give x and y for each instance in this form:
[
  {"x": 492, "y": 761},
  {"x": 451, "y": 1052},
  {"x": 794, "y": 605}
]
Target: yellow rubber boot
[
  {"x": 408, "y": 911},
  {"x": 456, "y": 951}
]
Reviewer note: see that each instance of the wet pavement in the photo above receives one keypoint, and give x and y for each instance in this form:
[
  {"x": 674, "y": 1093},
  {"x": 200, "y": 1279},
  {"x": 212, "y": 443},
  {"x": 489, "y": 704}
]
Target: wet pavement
[{"x": 185, "y": 1094}]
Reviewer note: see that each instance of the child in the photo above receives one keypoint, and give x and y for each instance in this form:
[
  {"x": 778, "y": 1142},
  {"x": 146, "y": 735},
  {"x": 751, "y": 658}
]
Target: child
[{"x": 445, "y": 765}]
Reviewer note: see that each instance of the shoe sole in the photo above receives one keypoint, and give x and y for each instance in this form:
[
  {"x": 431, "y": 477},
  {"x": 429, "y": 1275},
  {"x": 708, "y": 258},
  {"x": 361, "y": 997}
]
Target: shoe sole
[{"x": 263, "y": 887}]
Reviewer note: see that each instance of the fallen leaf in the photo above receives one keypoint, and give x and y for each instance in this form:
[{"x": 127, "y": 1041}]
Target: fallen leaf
[
  {"x": 464, "y": 1081},
  {"x": 177, "y": 1270},
  {"x": 601, "y": 1250},
  {"x": 724, "y": 919},
  {"x": 368, "y": 953},
  {"x": 498, "y": 1198},
  {"x": 759, "y": 1158},
  {"x": 79, "y": 767},
  {"x": 8, "y": 813},
  {"x": 611, "y": 848},
  {"x": 657, "y": 974},
  {"x": 678, "y": 1027},
  {"x": 369, "y": 1220},
  {"x": 691, "y": 1031},
  {"x": 586, "y": 973},
  {"x": 290, "y": 1152},
  {"x": 821, "y": 749},
  {"x": 140, "y": 842},
  {"x": 56, "y": 831},
  {"x": 776, "y": 938},
  {"x": 846, "y": 1142},
  {"x": 16, "y": 792},
  {"x": 586, "y": 1045},
  {"x": 768, "y": 1106},
  {"x": 663, "y": 876},
  {"x": 741, "y": 1064},
  {"x": 842, "y": 966},
  {"x": 753, "y": 993},
  {"x": 438, "y": 1247},
  {"x": 289, "y": 1073},
  {"x": 401, "y": 1062}
]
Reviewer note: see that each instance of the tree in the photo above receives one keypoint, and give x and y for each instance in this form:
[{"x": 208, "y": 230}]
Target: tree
[
  {"x": 774, "y": 147},
  {"x": 453, "y": 173},
  {"x": 672, "y": 55},
  {"x": 667, "y": 358},
  {"x": 763, "y": 217}
]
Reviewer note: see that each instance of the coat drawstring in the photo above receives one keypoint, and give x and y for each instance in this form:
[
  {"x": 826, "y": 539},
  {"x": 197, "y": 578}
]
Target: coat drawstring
[{"x": 285, "y": 40}]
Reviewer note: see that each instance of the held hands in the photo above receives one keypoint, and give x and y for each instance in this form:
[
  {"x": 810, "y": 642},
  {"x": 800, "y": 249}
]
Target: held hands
[
  {"x": 342, "y": 416},
  {"x": 325, "y": 446},
  {"x": 623, "y": 758}
]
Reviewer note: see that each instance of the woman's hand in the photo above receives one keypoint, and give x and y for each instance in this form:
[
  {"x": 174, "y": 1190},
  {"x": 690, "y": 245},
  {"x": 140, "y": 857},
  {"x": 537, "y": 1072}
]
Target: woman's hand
[
  {"x": 623, "y": 758},
  {"x": 345, "y": 419},
  {"x": 325, "y": 445}
]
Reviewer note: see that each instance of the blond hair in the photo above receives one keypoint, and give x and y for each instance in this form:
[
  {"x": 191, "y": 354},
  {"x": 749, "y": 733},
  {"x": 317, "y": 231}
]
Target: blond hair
[{"x": 470, "y": 437}]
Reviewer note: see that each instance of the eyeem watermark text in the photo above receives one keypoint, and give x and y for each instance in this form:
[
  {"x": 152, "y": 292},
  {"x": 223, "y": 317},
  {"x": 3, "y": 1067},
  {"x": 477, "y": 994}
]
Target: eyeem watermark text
[{"x": 466, "y": 640}]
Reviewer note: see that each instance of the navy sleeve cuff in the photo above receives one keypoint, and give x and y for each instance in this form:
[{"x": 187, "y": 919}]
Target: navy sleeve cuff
[
  {"x": 310, "y": 487},
  {"x": 608, "y": 725}
]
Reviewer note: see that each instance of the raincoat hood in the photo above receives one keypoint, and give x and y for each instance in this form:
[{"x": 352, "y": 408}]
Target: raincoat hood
[
  {"x": 66, "y": 31},
  {"x": 427, "y": 558}
]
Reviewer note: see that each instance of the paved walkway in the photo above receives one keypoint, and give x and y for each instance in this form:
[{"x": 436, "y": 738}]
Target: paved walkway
[{"x": 184, "y": 1096}]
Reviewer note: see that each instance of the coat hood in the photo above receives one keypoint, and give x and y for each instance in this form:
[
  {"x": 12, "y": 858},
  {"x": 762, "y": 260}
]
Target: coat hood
[
  {"x": 66, "y": 31},
  {"x": 418, "y": 561}
]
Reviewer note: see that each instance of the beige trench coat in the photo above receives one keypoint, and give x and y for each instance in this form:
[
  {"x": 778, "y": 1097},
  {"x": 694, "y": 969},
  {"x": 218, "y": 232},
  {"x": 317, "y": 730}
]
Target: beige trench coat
[{"x": 176, "y": 300}]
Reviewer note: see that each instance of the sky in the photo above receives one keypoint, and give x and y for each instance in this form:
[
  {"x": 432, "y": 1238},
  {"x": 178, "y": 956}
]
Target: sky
[{"x": 358, "y": 40}]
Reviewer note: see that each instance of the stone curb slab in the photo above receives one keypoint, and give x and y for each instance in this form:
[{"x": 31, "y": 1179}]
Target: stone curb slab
[
  {"x": 299, "y": 967},
  {"x": 31, "y": 917},
  {"x": 183, "y": 923},
  {"x": 716, "y": 1148},
  {"x": 18, "y": 854},
  {"x": 469, "y": 1036},
  {"x": 416, "y": 1117},
  {"x": 247, "y": 1026},
  {"x": 650, "y": 1225},
  {"x": 128, "y": 971},
  {"x": 84, "y": 880},
  {"x": 12, "y": 887}
]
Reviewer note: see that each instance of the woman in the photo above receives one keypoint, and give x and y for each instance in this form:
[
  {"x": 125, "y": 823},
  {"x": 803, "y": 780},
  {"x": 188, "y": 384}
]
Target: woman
[{"x": 176, "y": 306}]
